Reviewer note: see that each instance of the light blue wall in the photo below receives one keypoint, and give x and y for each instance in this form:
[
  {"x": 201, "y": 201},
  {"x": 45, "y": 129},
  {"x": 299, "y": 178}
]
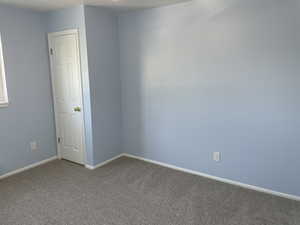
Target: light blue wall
[
  {"x": 221, "y": 76},
  {"x": 29, "y": 115},
  {"x": 74, "y": 18},
  {"x": 196, "y": 78},
  {"x": 103, "y": 54}
]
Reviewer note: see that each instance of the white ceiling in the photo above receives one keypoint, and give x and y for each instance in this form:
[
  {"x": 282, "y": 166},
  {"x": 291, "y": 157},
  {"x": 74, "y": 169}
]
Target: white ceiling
[{"x": 45, "y": 5}]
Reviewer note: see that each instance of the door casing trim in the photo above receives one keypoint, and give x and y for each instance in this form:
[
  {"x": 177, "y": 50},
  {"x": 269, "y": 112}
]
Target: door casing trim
[{"x": 50, "y": 37}]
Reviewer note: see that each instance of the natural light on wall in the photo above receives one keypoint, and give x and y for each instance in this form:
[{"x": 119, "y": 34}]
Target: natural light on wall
[{"x": 3, "y": 90}]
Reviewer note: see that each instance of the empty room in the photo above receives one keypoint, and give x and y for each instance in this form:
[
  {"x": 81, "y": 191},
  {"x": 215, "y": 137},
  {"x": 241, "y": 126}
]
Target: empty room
[{"x": 149, "y": 112}]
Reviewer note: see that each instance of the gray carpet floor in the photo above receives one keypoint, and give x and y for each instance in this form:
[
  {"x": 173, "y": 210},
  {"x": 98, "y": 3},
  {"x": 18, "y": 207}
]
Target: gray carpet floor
[{"x": 129, "y": 191}]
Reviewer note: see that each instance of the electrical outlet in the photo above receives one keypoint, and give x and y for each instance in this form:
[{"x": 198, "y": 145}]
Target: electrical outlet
[
  {"x": 33, "y": 146},
  {"x": 217, "y": 156}
]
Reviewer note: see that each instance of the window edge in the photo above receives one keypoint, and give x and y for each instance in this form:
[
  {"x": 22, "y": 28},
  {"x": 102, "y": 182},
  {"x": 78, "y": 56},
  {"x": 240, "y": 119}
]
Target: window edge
[
  {"x": 5, "y": 101},
  {"x": 4, "y": 104}
]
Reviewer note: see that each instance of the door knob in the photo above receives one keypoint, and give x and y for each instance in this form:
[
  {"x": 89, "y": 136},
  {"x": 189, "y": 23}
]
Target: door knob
[{"x": 77, "y": 109}]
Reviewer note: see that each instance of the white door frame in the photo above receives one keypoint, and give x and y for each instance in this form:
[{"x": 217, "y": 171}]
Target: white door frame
[{"x": 50, "y": 37}]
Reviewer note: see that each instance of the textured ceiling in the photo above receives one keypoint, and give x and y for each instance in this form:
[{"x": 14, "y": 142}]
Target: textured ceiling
[{"x": 45, "y": 5}]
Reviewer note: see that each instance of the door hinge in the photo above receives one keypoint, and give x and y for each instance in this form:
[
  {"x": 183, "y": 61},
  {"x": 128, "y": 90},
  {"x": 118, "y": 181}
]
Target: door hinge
[
  {"x": 59, "y": 140},
  {"x": 51, "y": 51}
]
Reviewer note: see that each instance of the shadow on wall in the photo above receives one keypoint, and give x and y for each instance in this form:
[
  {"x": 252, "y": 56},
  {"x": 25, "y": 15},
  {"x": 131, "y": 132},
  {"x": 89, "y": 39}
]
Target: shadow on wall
[
  {"x": 134, "y": 115},
  {"x": 195, "y": 83}
]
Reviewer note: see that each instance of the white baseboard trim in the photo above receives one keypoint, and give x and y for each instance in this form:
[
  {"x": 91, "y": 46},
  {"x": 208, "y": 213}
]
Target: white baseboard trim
[
  {"x": 27, "y": 167},
  {"x": 103, "y": 163},
  {"x": 224, "y": 180}
]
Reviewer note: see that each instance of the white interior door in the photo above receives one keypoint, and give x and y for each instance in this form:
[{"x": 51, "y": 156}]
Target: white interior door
[{"x": 67, "y": 94}]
